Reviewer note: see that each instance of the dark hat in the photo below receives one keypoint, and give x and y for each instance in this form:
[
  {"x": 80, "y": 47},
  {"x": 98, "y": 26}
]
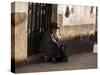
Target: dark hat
[{"x": 54, "y": 25}]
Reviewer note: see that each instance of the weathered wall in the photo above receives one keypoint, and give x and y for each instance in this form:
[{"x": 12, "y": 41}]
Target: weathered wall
[
  {"x": 21, "y": 41},
  {"x": 76, "y": 30},
  {"x": 80, "y": 20},
  {"x": 77, "y": 14},
  {"x": 19, "y": 25},
  {"x": 78, "y": 38}
]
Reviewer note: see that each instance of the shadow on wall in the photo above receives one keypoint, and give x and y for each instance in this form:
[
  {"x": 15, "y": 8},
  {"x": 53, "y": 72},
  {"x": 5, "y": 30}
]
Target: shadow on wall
[
  {"x": 80, "y": 44},
  {"x": 17, "y": 18}
]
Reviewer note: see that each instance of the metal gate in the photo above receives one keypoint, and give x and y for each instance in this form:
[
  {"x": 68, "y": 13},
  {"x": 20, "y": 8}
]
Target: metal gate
[{"x": 39, "y": 19}]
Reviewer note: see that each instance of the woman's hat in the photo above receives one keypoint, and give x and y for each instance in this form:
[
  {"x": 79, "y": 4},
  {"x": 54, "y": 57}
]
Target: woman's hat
[{"x": 54, "y": 25}]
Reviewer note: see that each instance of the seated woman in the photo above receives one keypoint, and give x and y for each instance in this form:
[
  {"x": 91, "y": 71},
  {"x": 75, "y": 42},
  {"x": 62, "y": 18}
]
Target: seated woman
[{"x": 52, "y": 46}]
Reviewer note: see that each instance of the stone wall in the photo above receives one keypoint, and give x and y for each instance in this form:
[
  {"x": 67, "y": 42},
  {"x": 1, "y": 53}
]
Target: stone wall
[
  {"x": 76, "y": 30},
  {"x": 78, "y": 14},
  {"x": 78, "y": 38},
  {"x": 20, "y": 36},
  {"x": 19, "y": 30}
]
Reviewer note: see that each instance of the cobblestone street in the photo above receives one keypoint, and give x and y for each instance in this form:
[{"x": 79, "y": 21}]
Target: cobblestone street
[{"x": 77, "y": 61}]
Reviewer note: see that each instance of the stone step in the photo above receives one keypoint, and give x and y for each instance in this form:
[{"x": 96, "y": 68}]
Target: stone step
[{"x": 37, "y": 58}]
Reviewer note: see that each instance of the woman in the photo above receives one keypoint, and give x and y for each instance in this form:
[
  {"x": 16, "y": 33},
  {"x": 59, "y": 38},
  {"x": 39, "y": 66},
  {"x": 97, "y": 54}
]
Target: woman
[{"x": 52, "y": 46}]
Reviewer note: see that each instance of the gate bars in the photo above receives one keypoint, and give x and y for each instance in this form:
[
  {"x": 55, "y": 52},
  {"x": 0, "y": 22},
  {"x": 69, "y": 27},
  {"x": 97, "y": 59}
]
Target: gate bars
[{"x": 39, "y": 19}]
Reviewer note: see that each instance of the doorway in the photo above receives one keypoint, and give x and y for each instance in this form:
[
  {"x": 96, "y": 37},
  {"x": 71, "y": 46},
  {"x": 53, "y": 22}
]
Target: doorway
[{"x": 39, "y": 19}]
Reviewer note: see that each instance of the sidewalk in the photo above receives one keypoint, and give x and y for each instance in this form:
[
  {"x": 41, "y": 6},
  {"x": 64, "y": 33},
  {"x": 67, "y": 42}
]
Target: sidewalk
[{"x": 77, "y": 61}]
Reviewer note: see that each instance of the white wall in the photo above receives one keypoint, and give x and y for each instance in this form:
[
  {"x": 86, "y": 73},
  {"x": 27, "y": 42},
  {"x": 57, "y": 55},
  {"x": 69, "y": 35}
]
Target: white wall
[
  {"x": 21, "y": 6},
  {"x": 79, "y": 15}
]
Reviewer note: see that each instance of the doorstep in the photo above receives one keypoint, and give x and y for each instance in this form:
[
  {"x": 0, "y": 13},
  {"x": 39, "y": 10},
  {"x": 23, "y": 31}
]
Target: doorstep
[{"x": 37, "y": 58}]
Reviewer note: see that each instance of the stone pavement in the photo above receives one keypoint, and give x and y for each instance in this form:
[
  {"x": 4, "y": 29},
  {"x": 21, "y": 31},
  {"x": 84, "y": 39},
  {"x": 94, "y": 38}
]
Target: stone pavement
[{"x": 77, "y": 61}]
